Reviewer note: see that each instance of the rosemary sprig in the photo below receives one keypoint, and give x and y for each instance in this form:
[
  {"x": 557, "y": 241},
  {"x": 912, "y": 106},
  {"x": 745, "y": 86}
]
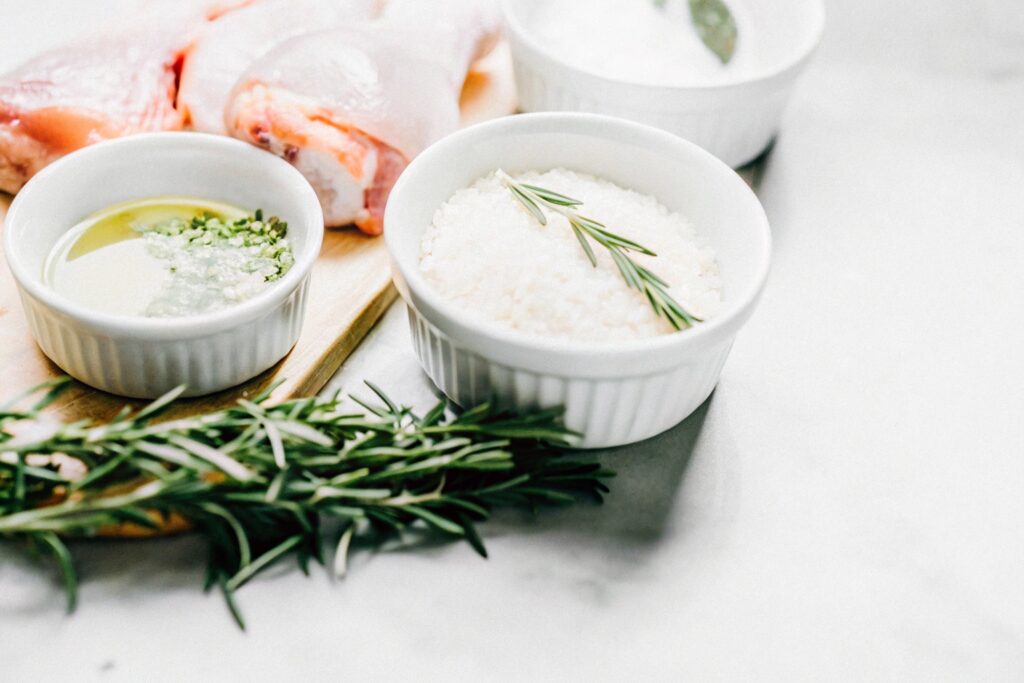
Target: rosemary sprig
[
  {"x": 618, "y": 247},
  {"x": 259, "y": 481}
]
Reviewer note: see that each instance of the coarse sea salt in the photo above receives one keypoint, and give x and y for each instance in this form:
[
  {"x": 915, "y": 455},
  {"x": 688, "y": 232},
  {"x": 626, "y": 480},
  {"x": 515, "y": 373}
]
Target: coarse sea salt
[{"x": 487, "y": 254}]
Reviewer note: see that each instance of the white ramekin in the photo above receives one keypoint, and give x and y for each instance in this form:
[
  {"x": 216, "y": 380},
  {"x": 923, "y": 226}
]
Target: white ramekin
[
  {"x": 145, "y": 357},
  {"x": 735, "y": 120},
  {"x": 612, "y": 393}
]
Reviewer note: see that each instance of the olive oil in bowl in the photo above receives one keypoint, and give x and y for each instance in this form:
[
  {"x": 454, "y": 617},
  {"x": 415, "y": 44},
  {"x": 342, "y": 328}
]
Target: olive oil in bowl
[{"x": 168, "y": 257}]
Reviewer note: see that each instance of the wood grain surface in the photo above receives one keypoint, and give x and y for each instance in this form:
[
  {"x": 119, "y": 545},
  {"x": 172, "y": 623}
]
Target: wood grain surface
[{"x": 350, "y": 290}]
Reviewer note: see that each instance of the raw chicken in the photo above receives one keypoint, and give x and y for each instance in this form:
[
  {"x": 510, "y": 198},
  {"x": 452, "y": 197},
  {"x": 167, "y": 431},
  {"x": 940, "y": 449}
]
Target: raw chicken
[
  {"x": 351, "y": 107},
  {"x": 107, "y": 86},
  {"x": 226, "y": 48}
]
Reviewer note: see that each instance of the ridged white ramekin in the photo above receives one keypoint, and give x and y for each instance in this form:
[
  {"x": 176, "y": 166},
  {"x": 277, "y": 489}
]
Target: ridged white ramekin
[
  {"x": 146, "y": 357},
  {"x": 735, "y": 120},
  {"x": 612, "y": 393}
]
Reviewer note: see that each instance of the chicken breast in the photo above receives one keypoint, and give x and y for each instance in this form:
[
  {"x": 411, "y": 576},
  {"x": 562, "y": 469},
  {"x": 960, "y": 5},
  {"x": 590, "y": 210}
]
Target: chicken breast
[
  {"x": 226, "y": 48},
  {"x": 351, "y": 107},
  {"x": 107, "y": 86}
]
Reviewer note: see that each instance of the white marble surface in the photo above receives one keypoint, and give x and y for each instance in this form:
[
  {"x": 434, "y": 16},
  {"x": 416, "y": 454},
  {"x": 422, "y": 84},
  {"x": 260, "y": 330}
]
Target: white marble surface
[{"x": 848, "y": 506}]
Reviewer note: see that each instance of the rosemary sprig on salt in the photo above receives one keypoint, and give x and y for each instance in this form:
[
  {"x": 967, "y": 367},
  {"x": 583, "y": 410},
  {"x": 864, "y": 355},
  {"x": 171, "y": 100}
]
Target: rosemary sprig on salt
[{"x": 587, "y": 229}]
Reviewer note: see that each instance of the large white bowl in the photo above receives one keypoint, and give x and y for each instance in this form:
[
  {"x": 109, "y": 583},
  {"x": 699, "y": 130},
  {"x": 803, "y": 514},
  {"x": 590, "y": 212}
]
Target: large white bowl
[
  {"x": 613, "y": 393},
  {"x": 735, "y": 119},
  {"x": 145, "y": 357}
]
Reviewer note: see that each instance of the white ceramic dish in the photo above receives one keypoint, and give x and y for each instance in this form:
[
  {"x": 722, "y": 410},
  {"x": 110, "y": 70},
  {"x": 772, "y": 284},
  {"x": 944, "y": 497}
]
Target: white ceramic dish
[
  {"x": 613, "y": 393},
  {"x": 735, "y": 120},
  {"x": 145, "y": 357}
]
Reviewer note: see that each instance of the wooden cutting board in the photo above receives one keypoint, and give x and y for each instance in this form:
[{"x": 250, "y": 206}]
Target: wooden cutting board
[{"x": 350, "y": 290}]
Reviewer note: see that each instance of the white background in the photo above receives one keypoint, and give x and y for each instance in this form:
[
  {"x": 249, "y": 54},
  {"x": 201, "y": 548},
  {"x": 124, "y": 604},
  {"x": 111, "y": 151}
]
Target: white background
[{"x": 848, "y": 506}]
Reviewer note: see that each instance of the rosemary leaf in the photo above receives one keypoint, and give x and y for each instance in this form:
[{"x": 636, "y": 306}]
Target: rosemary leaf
[
  {"x": 587, "y": 249},
  {"x": 552, "y": 197},
  {"x": 252, "y": 568},
  {"x": 470, "y": 532},
  {"x": 341, "y": 552},
  {"x": 229, "y": 598},
  {"x": 530, "y": 205},
  {"x": 244, "y": 553},
  {"x": 67, "y": 568},
  {"x": 276, "y": 443},
  {"x": 226, "y": 464},
  {"x": 157, "y": 406},
  {"x": 436, "y": 520}
]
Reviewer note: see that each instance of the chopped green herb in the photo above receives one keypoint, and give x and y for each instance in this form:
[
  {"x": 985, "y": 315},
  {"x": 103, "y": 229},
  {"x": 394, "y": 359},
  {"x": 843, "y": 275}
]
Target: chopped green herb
[{"x": 267, "y": 236}]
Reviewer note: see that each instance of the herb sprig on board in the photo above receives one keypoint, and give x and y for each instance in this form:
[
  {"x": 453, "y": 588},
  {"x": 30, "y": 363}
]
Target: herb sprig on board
[
  {"x": 714, "y": 24},
  {"x": 262, "y": 481},
  {"x": 636, "y": 276}
]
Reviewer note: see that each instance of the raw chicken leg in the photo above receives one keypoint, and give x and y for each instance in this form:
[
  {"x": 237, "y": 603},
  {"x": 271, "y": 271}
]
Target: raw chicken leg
[
  {"x": 349, "y": 108},
  {"x": 104, "y": 87},
  {"x": 228, "y": 47}
]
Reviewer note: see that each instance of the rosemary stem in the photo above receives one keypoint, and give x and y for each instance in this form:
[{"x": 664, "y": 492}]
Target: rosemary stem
[{"x": 636, "y": 276}]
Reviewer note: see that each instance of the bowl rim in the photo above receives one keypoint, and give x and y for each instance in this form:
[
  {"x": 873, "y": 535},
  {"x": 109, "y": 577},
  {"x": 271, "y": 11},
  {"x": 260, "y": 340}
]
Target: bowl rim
[
  {"x": 519, "y": 31},
  {"x": 734, "y": 313},
  {"x": 183, "y": 327}
]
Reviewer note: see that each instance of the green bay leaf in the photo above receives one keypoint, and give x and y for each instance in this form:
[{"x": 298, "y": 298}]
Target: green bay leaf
[{"x": 716, "y": 27}]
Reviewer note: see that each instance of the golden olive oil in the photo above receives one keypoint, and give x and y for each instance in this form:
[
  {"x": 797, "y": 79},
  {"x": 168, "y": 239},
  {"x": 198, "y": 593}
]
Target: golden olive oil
[{"x": 102, "y": 263}]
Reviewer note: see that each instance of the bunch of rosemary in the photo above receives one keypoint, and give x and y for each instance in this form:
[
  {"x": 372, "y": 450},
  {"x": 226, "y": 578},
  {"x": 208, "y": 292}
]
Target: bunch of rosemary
[{"x": 259, "y": 480}]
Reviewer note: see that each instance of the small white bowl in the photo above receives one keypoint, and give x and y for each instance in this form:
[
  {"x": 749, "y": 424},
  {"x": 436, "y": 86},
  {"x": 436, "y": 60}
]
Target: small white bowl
[
  {"x": 735, "y": 120},
  {"x": 612, "y": 393},
  {"x": 145, "y": 357}
]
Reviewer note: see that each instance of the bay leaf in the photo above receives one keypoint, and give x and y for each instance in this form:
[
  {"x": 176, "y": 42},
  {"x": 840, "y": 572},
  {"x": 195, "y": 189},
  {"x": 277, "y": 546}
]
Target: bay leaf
[{"x": 716, "y": 27}]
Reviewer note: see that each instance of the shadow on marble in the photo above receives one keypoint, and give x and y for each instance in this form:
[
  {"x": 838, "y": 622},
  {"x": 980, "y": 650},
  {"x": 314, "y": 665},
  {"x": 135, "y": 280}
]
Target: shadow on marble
[
  {"x": 108, "y": 569},
  {"x": 648, "y": 477},
  {"x": 635, "y": 515},
  {"x": 753, "y": 172}
]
